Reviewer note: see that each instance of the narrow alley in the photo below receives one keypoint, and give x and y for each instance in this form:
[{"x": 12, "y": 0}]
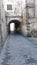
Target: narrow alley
[
  {"x": 18, "y": 32},
  {"x": 19, "y": 50}
]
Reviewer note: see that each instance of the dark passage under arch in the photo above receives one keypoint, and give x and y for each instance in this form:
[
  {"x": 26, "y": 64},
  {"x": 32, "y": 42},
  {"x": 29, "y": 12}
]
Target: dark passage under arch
[{"x": 17, "y": 26}]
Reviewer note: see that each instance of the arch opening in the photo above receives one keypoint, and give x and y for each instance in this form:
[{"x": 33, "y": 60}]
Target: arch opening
[{"x": 14, "y": 27}]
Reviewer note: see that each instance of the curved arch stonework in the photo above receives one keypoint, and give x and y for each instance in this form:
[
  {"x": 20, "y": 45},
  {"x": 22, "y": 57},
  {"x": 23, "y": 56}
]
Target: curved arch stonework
[
  {"x": 8, "y": 19},
  {"x": 17, "y": 27}
]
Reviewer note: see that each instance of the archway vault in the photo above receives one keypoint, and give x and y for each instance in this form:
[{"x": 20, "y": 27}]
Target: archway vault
[
  {"x": 17, "y": 25},
  {"x": 9, "y": 18}
]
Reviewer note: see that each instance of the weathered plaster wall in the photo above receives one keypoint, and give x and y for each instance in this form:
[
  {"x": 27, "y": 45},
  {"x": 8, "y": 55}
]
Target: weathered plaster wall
[
  {"x": 23, "y": 24},
  {"x": 29, "y": 21},
  {"x": 3, "y": 29}
]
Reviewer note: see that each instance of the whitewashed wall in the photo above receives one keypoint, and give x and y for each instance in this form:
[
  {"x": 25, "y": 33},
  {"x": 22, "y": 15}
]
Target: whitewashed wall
[{"x": 17, "y": 6}]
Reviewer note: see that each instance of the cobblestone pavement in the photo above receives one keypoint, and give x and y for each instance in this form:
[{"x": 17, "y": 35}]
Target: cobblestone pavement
[{"x": 19, "y": 50}]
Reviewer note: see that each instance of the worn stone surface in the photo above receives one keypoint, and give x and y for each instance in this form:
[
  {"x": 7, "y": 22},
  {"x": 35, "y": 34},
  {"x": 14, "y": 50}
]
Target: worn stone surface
[
  {"x": 24, "y": 30},
  {"x": 30, "y": 1},
  {"x": 19, "y": 50},
  {"x": 0, "y": 37},
  {"x": 31, "y": 12},
  {"x": 20, "y": 10},
  {"x": 35, "y": 11},
  {"x": 3, "y": 29},
  {"x": 35, "y": 2}
]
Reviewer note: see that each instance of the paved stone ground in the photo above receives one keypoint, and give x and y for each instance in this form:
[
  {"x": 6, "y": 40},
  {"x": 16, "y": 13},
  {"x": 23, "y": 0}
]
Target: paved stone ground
[{"x": 19, "y": 50}]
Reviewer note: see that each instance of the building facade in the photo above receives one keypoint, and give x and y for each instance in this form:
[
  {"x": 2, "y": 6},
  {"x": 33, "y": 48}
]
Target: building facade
[
  {"x": 3, "y": 31},
  {"x": 25, "y": 8}
]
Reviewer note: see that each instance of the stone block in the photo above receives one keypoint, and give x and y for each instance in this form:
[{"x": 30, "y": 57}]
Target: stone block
[
  {"x": 35, "y": 2},
  {"x": 24, "y": 17},
  {"x": 30, "y": 1},
  {"x": 35, "y": 11},
  {"x": 32, "y": 23},
  {"x": 31, "y": 20},
  {"x": 33, "y": 26},
  {"x": 31, "y": 13},
  {"x": 0, "y": 32},
  {"x": 24, "y": 30}
]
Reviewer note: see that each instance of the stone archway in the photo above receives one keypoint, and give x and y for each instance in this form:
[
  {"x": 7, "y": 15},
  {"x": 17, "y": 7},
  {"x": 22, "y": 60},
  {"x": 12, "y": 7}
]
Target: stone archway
[{"x": 17, "y": 24}]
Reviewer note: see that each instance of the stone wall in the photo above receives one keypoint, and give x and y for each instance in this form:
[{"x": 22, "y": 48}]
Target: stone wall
[
  {"x": 23, "y": 24},
  {"x": 0, "y": 43},
  {"x": 29, "y": 22},
  {"x": 3, "y": 29}
]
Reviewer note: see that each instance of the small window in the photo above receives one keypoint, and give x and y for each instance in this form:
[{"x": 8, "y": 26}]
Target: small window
[{"x": 9, "y": 7}]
